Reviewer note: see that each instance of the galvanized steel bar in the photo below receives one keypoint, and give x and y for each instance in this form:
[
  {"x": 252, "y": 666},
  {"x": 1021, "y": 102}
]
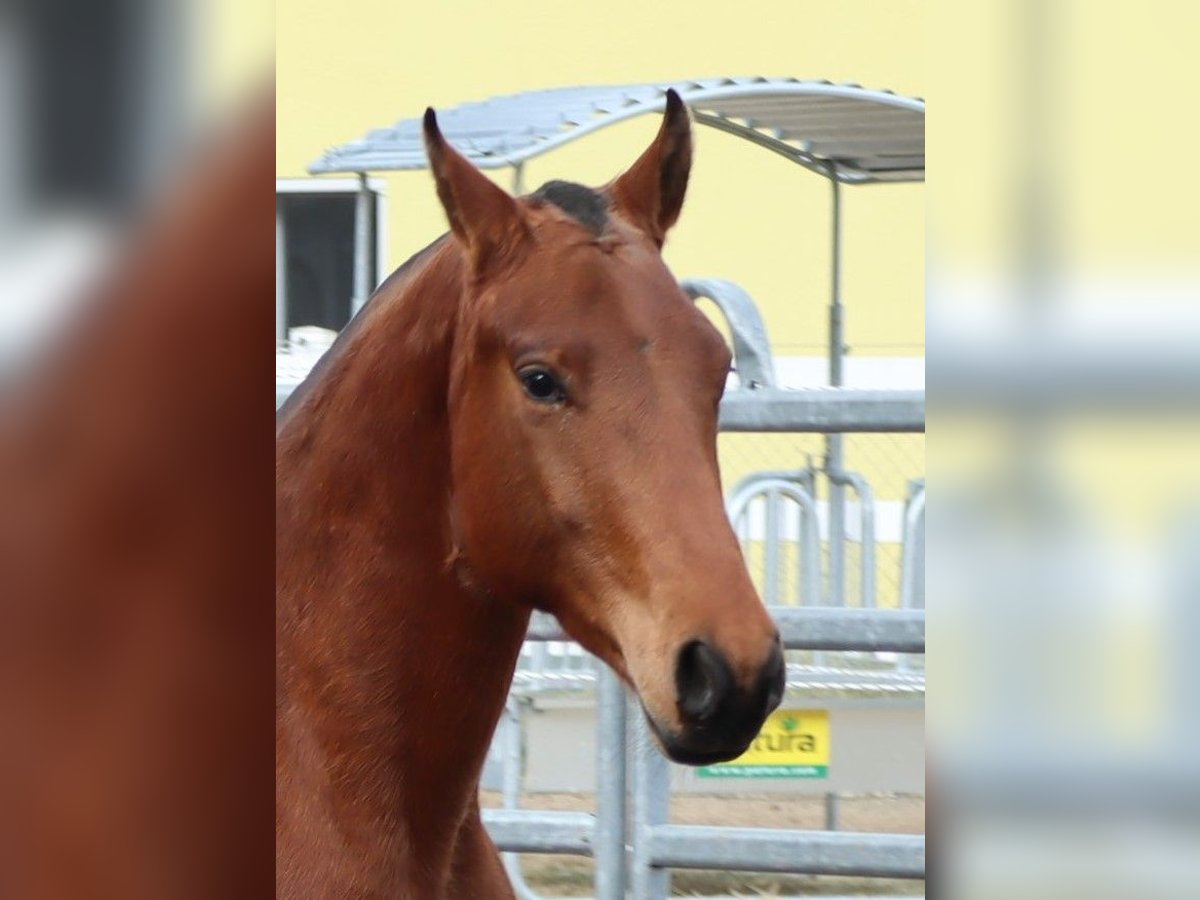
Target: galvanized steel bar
[
  {"x": 787, "y": 151},
  {"x": 777, "y": 485},
  {"x": 779, "y": 850},
  {"x": 866, "y": 630},
  {"x": 540, "y": 831},
  {"x": 913, "y": 552},
  {"x": 771, "y": 548},
  {"x": 833, "y": 442},
  {"x": 832, "y": 811},
  {"x": 823, "y": 410},
  {"x": 751, "y": 347},
  {"x": 610, "y": 786},
  {"x": 652, "y": 777},
  {"x": 362, "y": 245},
  {"x": 818, "y": 628},
  {"x": 866, "y": 507},
  {"x": 836, "y": 591},
  {"x": 510, "y": 722}
]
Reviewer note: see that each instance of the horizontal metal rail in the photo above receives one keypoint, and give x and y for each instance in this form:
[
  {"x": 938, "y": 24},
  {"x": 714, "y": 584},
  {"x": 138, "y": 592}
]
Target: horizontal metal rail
[
  {"x": 811, "y": 410},
  {"x": 777, "y": 850},
  {"x": 822, "y": 410},
  {"x": 871, "y": 630},
  {"x": 815, "y": 628},
  {"x": 539, "y": 831}
]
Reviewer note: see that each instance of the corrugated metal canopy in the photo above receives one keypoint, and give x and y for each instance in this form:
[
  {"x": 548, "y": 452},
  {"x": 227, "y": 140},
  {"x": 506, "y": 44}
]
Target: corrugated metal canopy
[{"x": 843, "y": 130}]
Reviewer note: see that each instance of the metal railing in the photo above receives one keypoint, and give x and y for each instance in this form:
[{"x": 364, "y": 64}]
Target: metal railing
[
  {"x": 656, "y": 844},
  {"x": 774, "y": 487}
]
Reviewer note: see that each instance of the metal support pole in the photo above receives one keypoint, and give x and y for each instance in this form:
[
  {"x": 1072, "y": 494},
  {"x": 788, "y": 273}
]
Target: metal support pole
[
  {"x": 832, "y": 805},
  {"x": 511, "y": 790},
  {"x": 775, "y": 486},
  {"x": 518, "y": 182},
  {"x": 772, "y": 534},
  {"x": 866, "y": 506},
  {"x": 912, "y": 557},
  {"x": 280, "y": 275},
  {"x": 610, "y": 787},
  {"x": 833, "y": 442},
  {"x": 652, "y": 786},
  {"x": 362, "y": 245},
  {"x": 836, "y": 338}
]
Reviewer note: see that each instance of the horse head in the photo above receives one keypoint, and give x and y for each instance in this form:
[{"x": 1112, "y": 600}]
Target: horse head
[{"x": 582, "y": 400}]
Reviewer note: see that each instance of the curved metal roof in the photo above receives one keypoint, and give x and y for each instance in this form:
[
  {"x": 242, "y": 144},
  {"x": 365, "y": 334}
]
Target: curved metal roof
[{"x": 839, "y": 130}]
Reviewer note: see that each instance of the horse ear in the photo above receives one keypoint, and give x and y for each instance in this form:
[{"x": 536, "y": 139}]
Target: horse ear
[
  {"x": 650, "y": 193},
  {"x": 483, "y": 217}
]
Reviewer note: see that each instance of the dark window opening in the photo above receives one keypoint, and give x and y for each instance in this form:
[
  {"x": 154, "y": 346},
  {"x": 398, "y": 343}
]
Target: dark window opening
[{"x": 318, "y": 235}]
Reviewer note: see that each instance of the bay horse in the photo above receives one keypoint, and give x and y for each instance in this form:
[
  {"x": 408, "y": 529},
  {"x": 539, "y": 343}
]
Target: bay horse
[{"x": 523, "y": 417}]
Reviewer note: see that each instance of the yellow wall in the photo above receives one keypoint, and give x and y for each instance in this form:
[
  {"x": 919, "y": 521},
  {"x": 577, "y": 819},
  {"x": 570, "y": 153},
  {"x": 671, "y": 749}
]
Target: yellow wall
[{"x": 348, "y": 66}]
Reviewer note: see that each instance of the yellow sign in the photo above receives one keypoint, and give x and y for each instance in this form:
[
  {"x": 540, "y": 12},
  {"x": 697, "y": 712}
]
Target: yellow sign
[{"x": 793, "y": 743}]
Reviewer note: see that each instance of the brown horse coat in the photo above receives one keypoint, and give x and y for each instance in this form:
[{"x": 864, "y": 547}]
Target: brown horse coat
[{"x": 524, "y": 416}]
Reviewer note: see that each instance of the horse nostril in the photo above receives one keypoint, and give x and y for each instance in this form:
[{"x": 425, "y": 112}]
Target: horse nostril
[
  {"x": 775, "y": 679},
  {"x": 702, "y": 681}
]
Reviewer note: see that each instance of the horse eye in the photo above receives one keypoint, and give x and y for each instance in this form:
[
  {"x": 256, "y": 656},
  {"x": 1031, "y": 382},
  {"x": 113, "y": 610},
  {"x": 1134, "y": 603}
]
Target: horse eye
[{"x": 541, "y": 385}]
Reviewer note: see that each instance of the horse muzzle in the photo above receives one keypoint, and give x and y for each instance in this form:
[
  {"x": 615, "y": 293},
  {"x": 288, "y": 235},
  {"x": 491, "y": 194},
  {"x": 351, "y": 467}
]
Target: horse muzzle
[{"x": 718, "y": 717}]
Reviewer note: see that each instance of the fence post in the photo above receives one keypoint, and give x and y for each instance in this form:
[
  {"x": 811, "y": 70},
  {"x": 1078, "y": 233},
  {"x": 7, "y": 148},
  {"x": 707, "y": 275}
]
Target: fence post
[
  {"x": 651, "y": 795},
  {"x": 610, "y": 786}
]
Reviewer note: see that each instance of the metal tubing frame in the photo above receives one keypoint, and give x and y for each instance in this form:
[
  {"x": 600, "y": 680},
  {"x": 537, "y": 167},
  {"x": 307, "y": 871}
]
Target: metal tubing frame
[
  {"x": 362, "y": 252},
  {"x": 610, "y": 786},
  {"x": 659, "y": 845},
  {"x": 823, "y": 410},
  {"x": 365, "y": 162},
  {"x": 866, "y": 510},
  {"x": 771, "y": 550},
  {"x": 651, "y": 801},
  {"x": 534, "y": 831},
  {"x": 602, "y": 836},
  {"x": 752, "y": 358},
  {"x": 866, "y": 630},
  {"x": 511, "y": 790},
  {"x": 541, "y": 831},
  {"x": 836, "y": 595},
  {"x": 779, "y": 850},
  {"x": 810, "y": 552},
  {"x": 914, "y": 518}
]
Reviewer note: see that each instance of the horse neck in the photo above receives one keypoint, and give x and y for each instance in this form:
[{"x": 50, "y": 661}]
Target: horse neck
[{"x": 393, "y": 671}]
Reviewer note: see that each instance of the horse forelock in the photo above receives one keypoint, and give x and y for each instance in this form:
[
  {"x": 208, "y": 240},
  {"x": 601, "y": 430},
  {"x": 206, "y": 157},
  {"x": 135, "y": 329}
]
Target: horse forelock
[{"x": 586, "y": 206}]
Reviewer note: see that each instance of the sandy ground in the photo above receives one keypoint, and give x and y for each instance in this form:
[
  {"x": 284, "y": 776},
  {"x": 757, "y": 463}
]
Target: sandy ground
[{"x": 567, "y": 876}]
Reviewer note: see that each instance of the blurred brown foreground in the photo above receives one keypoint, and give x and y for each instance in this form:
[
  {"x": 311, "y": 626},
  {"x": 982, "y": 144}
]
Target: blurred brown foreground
[{"x": 136, "y": 548}]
